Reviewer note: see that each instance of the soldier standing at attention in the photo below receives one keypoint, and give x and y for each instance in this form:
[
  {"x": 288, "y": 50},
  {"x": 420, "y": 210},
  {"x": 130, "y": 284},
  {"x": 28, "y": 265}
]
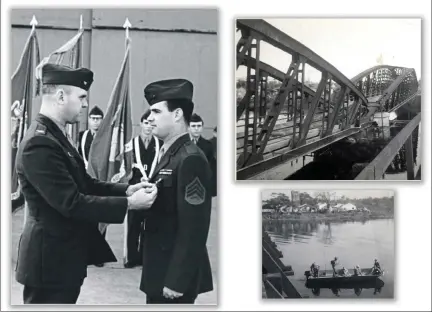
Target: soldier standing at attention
[
  {"x": 145, "y": 155},
  {"x": 176, "y": 265},
  {"x": 86, "y": 137},
  {"x": 195, "y": 130}
]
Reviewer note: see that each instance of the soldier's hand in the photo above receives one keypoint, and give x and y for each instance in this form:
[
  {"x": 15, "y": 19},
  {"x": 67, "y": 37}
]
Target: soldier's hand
[
  {"x": 171, "y": 294},
  {"x": 133, "y": 188},
  {"x": 142, "y": 199}
]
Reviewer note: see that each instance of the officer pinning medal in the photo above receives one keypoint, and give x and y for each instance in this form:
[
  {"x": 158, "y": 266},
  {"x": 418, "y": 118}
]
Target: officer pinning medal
[{"x": 60, "y": 236}]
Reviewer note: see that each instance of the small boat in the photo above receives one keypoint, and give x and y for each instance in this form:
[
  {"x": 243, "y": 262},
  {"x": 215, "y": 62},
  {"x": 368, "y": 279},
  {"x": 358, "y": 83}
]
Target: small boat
[{"x": 326, "y": 277}]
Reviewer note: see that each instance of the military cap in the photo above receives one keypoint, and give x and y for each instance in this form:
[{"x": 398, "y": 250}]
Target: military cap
[
  {"x": 171, "y": 89},
  {"x": 63, "y": 75},
  {"x": 96, "y": 111},
  {"x": 196, "y": 118}
]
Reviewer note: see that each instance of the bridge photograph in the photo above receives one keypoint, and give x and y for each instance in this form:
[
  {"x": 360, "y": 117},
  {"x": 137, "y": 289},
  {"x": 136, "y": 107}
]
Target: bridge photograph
[
  {"x": 336, "y": 244},
  {"x": 328, "y": 99}
]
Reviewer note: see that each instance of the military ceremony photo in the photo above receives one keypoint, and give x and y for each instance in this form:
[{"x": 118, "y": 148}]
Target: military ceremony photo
[{"x": 114, "y": 156}]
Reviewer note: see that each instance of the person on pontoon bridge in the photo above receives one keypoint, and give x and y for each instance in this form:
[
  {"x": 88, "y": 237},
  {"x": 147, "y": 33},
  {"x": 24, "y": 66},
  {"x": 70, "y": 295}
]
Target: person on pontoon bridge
[
  {"x": 376, "y": 269},
  {"x": 314, "y": 269},
  {"x": 357, "y": 271},
  {"x": 344, "y": 272},
  {"x": 333, "y": 264}
]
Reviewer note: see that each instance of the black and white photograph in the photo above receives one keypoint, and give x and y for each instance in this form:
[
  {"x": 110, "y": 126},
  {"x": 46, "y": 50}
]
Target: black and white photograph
[
  {"x": 328, "y": 244},
  {"x": 114, "y": 151},
  {"x": 328, "y": 98}
]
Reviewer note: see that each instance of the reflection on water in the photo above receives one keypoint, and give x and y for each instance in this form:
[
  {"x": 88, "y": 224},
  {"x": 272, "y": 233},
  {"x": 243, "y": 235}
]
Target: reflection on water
[
  {"x": 354, "y": 243},
  {"x": 355, "y": 287}
]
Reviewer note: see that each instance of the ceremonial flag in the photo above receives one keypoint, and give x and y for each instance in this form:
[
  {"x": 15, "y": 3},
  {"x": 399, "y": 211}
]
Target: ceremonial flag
[
  {"x": 22, "y": 98},
  {"x": 110, "y": 156}
]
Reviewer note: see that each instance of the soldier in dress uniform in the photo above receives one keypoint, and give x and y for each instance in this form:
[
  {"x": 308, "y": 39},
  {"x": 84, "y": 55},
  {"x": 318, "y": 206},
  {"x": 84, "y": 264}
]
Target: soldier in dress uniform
[
  {"x": 60, "y": 237},
  {"x": 176, "y": 265},
  {"x": 84, "y": 143},
  {"x": 145, "y": 155},
  {"x": 86, "y": 137},
  {"x": 195, "y": 130}
]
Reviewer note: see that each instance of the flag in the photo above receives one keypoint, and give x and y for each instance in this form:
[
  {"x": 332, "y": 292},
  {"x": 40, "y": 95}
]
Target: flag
[
  {"x": 22, "y": 98},
  {"x": 110, "y": 156}
]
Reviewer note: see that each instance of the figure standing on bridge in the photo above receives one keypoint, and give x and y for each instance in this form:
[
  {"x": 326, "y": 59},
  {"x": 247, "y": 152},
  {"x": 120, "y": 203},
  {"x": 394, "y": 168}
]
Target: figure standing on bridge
[
  {"x": 333, "y": 263},
  {"x": 357, "y": 271},
  {"x": 376, "y": 269},
  {"x": 314, "y": 269}
]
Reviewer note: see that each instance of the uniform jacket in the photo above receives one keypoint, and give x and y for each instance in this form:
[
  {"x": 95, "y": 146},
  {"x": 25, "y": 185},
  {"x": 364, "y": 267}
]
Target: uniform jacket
[
  {"x": 61, "y": 237},
  {"x": 175, "y": 252},
  {"x": 207, "y": 148}
]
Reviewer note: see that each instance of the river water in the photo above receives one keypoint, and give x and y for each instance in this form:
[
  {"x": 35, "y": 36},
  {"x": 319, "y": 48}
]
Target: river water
[{"x": 354, "y": 243}]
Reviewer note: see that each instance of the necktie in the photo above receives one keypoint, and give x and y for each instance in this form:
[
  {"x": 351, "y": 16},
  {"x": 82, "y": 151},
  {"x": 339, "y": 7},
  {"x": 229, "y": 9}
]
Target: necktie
[
  {"x": 161, "y": 153},
  {"x": 70, "y": 140}
]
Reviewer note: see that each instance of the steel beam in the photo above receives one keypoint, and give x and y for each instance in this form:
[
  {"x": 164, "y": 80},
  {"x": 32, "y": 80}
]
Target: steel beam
[
  {"x": 277, "y": 105},
  {"x": 272, "y": 72},
  {"x": 395, "y": 84},
  {"x": 305, "y": 124},
  {"x": 279, "y": 39},
  {"x": 254, "y": 169},
  {"x": 409, "y": 158},
  {"x": 406, "y": 101},
  {"x": 335, "y": 113},
  {"x": 243, "y": 46}
]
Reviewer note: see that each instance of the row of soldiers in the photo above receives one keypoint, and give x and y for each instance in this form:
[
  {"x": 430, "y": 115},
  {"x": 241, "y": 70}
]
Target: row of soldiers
[
  {"x": 314, "y": 269},
  {"x": 146, "y": 148}
]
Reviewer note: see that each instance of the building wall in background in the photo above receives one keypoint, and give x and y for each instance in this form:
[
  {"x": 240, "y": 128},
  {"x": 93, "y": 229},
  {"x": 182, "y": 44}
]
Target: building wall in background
[{"x": 166, "y": 43}]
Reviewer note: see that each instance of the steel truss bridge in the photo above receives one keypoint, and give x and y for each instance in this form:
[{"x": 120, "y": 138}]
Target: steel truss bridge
[{"x": 300, "y": 120}]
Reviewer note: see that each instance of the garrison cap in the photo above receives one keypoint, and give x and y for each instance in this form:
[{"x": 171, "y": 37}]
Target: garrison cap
[
  {"x": 96, "y": 111},
  {"x": 63, "y": 75},
  {"x": 171, "y": 89}
]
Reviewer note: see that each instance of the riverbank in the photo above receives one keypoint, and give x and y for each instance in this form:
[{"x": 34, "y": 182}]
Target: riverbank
[{"x": 333, "y": 217}]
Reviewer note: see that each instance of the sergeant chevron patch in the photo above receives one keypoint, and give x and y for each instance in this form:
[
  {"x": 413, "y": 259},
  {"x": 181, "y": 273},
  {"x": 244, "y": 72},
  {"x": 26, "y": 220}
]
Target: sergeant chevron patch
[{"x": 195, "y": 192}]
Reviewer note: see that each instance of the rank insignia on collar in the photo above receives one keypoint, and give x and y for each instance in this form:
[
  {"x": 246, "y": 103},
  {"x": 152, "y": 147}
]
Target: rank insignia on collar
[{"x": 195, "y": 192}]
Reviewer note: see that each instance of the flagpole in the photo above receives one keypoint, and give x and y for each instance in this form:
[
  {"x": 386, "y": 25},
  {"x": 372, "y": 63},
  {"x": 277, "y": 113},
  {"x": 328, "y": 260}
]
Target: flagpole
[
  {"x": 126, "y": 26},
  {"x": 33, "y": 24}
]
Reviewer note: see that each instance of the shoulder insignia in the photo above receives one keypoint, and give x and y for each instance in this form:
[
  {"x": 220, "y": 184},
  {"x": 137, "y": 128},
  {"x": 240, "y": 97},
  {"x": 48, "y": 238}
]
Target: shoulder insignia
[
  {"x": 41, "y": 129},
  {"x": 195, "y": 192}
]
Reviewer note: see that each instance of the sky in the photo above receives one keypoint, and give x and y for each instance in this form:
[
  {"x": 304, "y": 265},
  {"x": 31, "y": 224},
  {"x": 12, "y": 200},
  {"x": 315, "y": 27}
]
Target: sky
[
  {"x": 266, "y": 194},
  {"x": 350, "y": 45}
]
